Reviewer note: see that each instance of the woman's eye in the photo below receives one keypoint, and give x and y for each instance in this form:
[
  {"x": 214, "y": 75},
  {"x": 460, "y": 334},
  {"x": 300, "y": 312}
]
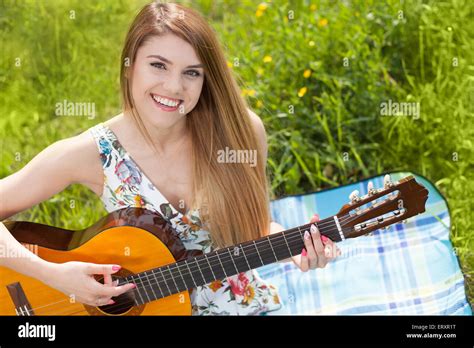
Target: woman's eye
[
  {"x": 158, "y": 65},
  {"x": 193, "y": 73}
]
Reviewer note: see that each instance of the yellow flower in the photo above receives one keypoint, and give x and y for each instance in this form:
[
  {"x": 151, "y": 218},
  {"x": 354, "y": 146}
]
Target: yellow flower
[
  {"x": 249, "y": 92},
  {"x": 307, "y": 73},
  {"x": 311, "y": 43},
  {"x": 138, "y": 201},
  {"x": 262, "y": 7},
  {"x": 312, "y": 7},
  {"x": 322, "y": 22},
  {"x": 302, "y": 92},
  {"x": 276, "y": 299},
  {"x": 215, "y": 285},
  {"x": 229, "y": 64},
  {"x": 267, "y": 59},
  {"x": 260, "y": 71},
  {"x": 259, "y": 104},
  {"x": 249, "y": 294}
]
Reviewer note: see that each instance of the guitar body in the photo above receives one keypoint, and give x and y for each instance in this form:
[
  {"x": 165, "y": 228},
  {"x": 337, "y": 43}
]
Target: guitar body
[{"x": 136, "y": 239}]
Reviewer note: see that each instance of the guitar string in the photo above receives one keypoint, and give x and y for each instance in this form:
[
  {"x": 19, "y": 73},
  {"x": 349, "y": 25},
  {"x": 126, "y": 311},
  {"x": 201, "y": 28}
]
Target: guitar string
[
  {"x": 196, "y": 266},
  {"x": 345, "y": 219},
  {"x": 143, "y": 286},
  {"x": 154, "y": 280}
]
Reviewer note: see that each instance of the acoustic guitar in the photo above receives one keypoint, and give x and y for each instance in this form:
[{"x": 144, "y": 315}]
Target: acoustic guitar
[{"x": 155, "y": 260}]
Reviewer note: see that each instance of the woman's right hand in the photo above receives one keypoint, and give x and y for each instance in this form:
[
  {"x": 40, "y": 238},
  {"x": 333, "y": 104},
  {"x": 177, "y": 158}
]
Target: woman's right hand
[{"x": 76, "y": 280}]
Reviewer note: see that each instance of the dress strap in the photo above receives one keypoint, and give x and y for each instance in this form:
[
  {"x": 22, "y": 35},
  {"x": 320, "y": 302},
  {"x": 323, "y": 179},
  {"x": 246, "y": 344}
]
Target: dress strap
[{"x": 108, "y": 145}]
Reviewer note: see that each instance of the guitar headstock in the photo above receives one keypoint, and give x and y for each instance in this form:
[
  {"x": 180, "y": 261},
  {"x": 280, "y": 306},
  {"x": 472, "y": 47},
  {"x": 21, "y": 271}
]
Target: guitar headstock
[{"x": 395, "y": 202}]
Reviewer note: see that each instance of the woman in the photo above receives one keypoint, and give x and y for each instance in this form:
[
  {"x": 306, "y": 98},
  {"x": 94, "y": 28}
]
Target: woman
[{"x": 181, "y": 107}]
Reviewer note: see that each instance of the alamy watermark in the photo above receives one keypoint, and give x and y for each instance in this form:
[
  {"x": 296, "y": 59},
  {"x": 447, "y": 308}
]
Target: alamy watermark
[
  {"x": 69, "y": 108},
  {"x": 393, "y": 108},
  {"x": 237, "y": 156}
]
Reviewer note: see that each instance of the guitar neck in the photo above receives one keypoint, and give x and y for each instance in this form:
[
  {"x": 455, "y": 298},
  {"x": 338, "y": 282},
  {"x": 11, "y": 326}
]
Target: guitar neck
[{"x": 204, "y": 269}]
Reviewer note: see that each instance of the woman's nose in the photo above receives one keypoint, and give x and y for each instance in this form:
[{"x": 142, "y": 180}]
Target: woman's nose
[{"x": 173, "y": 85}]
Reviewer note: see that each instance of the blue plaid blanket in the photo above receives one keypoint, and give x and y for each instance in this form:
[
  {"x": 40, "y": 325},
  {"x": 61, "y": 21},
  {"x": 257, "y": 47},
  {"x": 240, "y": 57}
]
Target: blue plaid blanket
[{"x": 407, "y": 269}]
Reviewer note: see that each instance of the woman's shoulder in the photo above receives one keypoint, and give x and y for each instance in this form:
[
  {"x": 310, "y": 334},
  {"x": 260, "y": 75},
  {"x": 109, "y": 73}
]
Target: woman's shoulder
[{"x": 83, "y": 152}]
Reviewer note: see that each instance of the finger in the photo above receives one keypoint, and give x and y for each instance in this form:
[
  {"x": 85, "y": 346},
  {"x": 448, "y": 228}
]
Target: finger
[
  {"x": 311, "y": 253},
  {"x": 330, "y": 248},
  {"x": 304, "y": 263},
  {"x": 318, "y": 246},
  {"x": 315, "y": 218},
  {"x": 108, "y": 279},
  {"x": 118, "y": 290},
  {"x": 102, "y": 269},
  {"x": 102, "y": 301}
]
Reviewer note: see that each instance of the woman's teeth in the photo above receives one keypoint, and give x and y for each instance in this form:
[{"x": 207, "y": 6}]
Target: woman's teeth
[{"x": 166, "y": 102}]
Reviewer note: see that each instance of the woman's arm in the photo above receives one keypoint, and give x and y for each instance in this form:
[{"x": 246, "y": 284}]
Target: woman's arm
[{"x": 59, "y": 165}]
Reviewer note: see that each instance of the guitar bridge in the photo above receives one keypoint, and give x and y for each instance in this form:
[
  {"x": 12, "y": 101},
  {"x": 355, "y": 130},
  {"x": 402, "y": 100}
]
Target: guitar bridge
[{"x": 22, "y": 305}]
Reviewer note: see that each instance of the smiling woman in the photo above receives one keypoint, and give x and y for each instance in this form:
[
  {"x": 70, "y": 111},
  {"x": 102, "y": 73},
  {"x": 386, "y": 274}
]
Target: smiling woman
[{"x": 182, "y": 108}]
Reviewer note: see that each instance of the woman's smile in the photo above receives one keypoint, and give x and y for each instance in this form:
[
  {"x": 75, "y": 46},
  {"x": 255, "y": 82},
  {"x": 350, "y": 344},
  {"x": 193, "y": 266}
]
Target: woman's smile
[{"x": 166, "y": 103}]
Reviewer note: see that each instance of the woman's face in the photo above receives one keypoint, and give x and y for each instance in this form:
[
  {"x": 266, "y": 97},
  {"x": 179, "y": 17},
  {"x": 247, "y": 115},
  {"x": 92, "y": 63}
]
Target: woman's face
[{"x": 167, "y": 80}]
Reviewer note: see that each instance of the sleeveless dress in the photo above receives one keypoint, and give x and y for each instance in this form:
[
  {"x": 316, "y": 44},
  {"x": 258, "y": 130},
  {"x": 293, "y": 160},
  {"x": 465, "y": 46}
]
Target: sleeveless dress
[{"x": 125, "y": 185}]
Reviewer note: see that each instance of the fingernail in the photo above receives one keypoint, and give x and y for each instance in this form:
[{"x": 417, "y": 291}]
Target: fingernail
[
  {"x": 327, "y": 251},
  {"x": 111, "y": 302},
  {"x": 316, "y": 216},
  {"x": 115, "y": 268},
  {"x": 306, "y": 235},
  {"x": 324, "y": 238},
  {"x": 303, "y": 252},
  {"x": 313, "y": 229},
  {"x": 133, "y": 286}
]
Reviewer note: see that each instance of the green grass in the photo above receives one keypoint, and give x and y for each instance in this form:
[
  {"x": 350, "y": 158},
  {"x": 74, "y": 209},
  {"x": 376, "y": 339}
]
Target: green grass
[{"x": 360, "y": 53}]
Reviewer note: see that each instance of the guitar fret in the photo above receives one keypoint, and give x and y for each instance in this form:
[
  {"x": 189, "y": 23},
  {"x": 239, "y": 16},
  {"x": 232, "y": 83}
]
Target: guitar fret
[
  {"x": 266, "y": 254},
  {"x": 164, "y": 279},
  {"x": 205, "y": 271},
  {"x": 243, "y": 252},
  {"x": 144, "y": 287},
  {"x": 219, "y": 272},
  {"x": 190, "y": 273},
  {"x": 138, "y": 289},
  {"x": 210, "y": 267},
  {"x": 271, "y": 246},
  {"x": 200, "y": 271},
  {"x": 181, "y": 274},
  {"x": 157, "y": 283},
  {"x": 287, "y": 245},
  {"x": 232, "y": 259},
  {"x": 174, "y": 281},
  {"x": 151, "y": 286},
  {"x": 240, "y": 260},
  {"x": 223, "y": 269},
  {"x": 258, "y": 253}
]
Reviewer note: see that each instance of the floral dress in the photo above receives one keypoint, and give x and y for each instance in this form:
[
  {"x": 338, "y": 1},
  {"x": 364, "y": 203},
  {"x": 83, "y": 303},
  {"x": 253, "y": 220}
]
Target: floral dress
[{"x": 125, "y": 185}]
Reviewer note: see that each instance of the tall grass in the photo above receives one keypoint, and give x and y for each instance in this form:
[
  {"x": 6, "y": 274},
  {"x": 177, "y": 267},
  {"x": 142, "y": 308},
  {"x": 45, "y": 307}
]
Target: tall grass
[{"x": 316, "y": 72}]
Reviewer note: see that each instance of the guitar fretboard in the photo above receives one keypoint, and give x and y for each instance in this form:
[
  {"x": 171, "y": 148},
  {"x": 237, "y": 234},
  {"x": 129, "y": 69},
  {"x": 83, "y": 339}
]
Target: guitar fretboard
[{"x": 187, "y": 274}]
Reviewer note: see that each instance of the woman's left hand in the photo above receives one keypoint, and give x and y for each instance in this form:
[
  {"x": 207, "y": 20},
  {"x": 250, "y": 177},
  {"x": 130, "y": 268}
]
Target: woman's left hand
[{"x": 318, "y": 250}]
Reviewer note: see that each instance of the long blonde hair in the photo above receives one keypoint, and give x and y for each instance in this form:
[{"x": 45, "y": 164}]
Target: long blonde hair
[{"x": 232, "y": 197}]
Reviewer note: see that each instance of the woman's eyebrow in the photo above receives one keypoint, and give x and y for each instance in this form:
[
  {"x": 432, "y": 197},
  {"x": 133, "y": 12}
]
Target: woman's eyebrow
[{"x": 169, "y": 62}]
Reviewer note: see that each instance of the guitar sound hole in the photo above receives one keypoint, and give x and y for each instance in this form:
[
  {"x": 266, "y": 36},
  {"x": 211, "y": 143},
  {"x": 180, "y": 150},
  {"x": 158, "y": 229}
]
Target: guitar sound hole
[{"x": 123, "y": 303}]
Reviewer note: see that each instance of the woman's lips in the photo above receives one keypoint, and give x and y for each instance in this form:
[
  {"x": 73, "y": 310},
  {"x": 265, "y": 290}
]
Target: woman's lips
[{"x": 166, "y": 107}]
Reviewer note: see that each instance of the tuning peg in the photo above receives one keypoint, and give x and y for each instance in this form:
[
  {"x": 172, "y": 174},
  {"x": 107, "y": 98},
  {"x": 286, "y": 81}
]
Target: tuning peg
[
  {"x": 354, "y": 196},
  {"x": 370, "y": 188},
  {"x": 387, "y": 182}
]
